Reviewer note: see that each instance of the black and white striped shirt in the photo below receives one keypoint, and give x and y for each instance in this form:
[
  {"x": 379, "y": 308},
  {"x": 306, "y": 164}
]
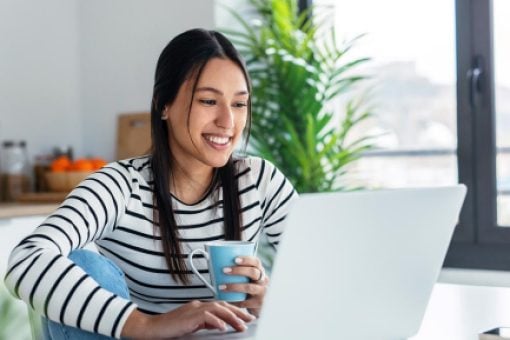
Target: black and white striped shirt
[{"x": 114, "y": 208}]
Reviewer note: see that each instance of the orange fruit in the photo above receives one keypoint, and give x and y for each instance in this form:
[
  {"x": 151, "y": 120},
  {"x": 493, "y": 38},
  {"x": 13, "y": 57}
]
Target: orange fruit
[
  {"x": 98, "y": 163},
  {"x": 60, "y": 164},
  {"x": 82, "y": 164}
]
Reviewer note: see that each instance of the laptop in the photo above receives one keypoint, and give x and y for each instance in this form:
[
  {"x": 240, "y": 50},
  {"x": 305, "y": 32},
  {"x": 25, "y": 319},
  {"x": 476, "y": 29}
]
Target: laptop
[{"x": 357, "y": 265}]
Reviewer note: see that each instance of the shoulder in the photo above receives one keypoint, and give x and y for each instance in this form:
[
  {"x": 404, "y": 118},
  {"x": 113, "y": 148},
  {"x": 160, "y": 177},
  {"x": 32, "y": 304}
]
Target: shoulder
[
  {"x": 135, "y": 163},
  {"x": 275, "y": 191},
  {"x": 259, "y": 172},
  {"x": 128, "y": 171},
  {"x": 247, "y": 162},
  {"x": 133, "y": 167},
  {"x": 252, "y": 168}
]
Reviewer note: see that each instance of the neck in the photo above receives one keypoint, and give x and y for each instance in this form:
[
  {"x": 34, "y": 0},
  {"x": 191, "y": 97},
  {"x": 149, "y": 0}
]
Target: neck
[{"x": 190, "y": 185}]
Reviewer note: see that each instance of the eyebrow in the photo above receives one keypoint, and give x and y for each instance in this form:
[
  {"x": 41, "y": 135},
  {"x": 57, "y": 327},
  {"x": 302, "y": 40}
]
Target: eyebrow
[{"x": 212, "y": 89}]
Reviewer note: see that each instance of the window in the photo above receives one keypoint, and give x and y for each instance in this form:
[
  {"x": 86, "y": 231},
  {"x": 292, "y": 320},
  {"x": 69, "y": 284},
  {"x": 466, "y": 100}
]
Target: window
[
  {"x": 441, "y": 94},
  {"x": 412, "y": 89},
  {"x": 502, "y": 104}
]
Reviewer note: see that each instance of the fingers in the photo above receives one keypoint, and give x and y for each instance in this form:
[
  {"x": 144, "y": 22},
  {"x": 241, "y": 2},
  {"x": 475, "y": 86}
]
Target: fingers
[
  {"x": 192, "y": 317},
  {"x": 229, "y": 314},
  {"x": 214, "y": 322},
  {"x": 253, "y": 273},
  {"x": 250, "y": 303},
  {"x": 249, "y": 266},
  {"x": 248, "y": 288},
  {"x": 251, "y": 261},
  {"x": 240, "y": 313},
  {"x": 255, "y": 291}
]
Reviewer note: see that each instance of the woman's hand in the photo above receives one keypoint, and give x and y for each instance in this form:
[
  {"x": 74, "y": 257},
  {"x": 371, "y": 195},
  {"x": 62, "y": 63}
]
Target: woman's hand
[
  {"x": 186, "y": 319},
  {"x": 252, "y": 268}
]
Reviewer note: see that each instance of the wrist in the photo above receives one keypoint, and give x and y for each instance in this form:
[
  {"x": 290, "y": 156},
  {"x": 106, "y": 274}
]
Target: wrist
[{"x": 137, "y": 325}]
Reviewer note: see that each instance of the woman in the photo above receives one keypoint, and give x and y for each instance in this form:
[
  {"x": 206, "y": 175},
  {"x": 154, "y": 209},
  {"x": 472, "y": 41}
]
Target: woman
[{"x": 146, "y": 214}]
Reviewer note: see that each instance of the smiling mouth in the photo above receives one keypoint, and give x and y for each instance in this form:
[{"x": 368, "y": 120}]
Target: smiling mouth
[{"x": 217, "y": 139}]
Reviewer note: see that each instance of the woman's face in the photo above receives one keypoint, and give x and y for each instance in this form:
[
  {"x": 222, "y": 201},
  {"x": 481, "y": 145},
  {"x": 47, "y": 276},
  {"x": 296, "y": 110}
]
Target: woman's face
[{"x": 217, "y": 117}]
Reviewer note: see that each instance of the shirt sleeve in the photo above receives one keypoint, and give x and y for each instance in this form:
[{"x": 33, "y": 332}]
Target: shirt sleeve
[
  {"x": 40, "y": 273},
  {"x": 277, "y": 196}
]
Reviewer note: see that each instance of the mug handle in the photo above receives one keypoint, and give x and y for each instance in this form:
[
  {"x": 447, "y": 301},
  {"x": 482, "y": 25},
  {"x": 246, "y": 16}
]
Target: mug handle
[{"x": 194, "y": 270}]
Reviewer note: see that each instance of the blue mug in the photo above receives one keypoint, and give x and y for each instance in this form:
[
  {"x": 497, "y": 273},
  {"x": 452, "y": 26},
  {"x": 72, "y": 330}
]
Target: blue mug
[{"x": 221, "y": 254}]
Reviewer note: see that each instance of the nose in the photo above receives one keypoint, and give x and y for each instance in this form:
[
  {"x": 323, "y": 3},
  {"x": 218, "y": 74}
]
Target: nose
[{"x": 225, "y": 118}]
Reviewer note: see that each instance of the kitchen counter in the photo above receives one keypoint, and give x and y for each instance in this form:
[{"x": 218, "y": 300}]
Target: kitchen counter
[{"x": 11, "y": 210}]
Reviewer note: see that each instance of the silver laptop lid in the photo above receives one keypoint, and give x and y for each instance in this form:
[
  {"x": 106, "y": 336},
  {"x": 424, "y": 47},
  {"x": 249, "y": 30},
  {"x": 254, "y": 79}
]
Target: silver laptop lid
[{"x": 359, "y": 265}]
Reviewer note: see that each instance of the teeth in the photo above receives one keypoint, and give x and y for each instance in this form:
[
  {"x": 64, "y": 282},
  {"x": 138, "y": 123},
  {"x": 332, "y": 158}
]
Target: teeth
[{"x": 218, "y": 140}]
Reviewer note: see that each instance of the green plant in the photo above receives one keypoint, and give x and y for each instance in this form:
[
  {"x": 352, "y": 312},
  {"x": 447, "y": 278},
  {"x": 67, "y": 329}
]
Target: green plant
[
  {"x": 297, "y": 70},
  {"x": 13, "y": 318}
]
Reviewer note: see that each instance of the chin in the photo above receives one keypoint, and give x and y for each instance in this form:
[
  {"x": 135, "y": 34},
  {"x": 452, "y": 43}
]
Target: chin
[{"x": 218, "y": 162}]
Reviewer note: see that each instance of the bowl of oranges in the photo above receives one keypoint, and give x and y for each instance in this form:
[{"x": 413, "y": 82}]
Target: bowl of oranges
[{"x": 64, "y": 174}]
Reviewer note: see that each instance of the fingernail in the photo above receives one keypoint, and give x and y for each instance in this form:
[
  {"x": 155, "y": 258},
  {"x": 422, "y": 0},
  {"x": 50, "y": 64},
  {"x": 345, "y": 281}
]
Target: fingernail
[
  {"x": 239, "y": 260},
  {"x": 227, "y": 270},
  {"x": 222, "y": 287}
]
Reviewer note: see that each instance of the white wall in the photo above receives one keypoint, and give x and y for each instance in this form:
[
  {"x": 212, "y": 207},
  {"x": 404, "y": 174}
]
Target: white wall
[
  {"x": 39, "y": 74},
  {"x": 120, "y": 43},
  {"x": 224, "y": 19},
  {"x": 68, "y": 67}
]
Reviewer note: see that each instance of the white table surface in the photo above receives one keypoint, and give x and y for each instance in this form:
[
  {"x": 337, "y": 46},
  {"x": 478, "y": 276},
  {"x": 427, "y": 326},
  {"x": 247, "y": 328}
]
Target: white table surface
[
  {"x": 454, "y": 312},
  {"x": 460, "y": 312}
]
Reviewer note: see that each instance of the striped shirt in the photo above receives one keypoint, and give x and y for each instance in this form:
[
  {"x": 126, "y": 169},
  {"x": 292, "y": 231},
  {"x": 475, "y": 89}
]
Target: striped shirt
[{"x": 114, "y": 209}]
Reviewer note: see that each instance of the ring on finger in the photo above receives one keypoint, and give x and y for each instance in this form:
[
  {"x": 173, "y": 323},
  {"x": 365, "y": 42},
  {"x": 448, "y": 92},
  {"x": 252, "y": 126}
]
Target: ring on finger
[{"x": 262, "y": 276}]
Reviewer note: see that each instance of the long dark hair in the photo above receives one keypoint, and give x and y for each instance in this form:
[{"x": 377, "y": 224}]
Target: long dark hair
[{"x": 185, "y": 56}]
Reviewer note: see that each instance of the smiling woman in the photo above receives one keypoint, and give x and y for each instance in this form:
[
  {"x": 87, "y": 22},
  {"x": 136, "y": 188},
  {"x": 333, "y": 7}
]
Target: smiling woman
[
  {"x": 205, "y": 137},
  {"x": 146, "y": 214}
]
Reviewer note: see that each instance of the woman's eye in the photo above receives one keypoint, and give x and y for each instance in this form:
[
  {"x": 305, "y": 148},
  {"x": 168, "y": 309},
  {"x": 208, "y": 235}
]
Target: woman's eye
[
  {"x": 240, "y": 104},
  {"x": 208, "y": 101}
]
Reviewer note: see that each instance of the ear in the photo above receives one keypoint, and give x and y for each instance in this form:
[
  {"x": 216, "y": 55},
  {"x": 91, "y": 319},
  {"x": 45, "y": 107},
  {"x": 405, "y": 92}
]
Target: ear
[{"x": 164, "y": 114}]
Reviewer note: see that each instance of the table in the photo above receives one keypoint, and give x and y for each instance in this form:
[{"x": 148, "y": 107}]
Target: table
[
  {"x": 460, "y": 312},
  {"x": 454, "y": 312},
  {"x": 13, "y": 210}
]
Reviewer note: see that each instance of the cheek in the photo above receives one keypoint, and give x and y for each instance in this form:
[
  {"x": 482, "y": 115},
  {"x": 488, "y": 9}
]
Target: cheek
[
  {"x": 178, "y": 129},
  {"x": 196, "y": 123},
  {"x": 241, "y": 121}
]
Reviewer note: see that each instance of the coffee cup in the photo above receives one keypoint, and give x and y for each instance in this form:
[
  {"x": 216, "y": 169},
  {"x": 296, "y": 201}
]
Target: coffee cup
[{"x": 221, "y": 254}]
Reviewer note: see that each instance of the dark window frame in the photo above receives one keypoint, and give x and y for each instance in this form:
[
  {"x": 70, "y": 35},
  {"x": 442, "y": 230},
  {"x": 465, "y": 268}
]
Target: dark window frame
[{"x": 478, "y": 241}]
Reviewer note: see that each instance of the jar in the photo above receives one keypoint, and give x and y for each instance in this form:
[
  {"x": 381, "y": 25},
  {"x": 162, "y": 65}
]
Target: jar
[{"x": 15, "y": 170}]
